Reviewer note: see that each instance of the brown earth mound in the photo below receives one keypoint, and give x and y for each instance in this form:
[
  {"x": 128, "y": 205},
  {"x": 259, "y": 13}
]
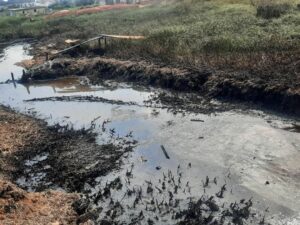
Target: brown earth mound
[{"x": 49, "y": 208}]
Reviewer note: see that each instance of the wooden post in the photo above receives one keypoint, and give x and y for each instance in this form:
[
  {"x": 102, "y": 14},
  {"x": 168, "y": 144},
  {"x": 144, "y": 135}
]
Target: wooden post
[
  {"x": 13, "y": 79},
  {"x": 105, "y": 42},
  {"x": 47, "y": 56},
  {"x": 99, "y": 42}
]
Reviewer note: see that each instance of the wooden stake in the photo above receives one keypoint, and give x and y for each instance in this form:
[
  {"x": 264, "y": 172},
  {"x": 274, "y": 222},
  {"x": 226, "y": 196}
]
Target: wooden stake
[
  {"x": 13, "y": 79},
  {"x": 165, "y": 152},
  {"x": 99, "y": 42}
]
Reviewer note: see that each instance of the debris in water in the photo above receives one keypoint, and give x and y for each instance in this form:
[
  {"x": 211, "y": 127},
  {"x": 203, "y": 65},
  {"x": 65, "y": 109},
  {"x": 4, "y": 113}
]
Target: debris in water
[
  {"x": 143, "y": 159},
  {"x": 80, "y": 98},
  {"x": 197, "y": 120},
  {"x": 165, "y": 151}
]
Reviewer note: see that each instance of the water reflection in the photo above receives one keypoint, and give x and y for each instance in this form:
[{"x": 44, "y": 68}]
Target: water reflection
[
  {"x": 62, "y": 86},
  {"x": 9, "y": 57},
  {"x": 71, "y": 86}
]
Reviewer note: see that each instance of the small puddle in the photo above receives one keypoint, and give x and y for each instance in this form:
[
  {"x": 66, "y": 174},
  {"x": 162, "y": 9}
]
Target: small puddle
[
  {"x": 36, "y": 159},
  {"x": 243, "y": 150}
]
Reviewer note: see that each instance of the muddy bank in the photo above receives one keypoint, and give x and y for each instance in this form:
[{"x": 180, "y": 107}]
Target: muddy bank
[
  {"x": 17, "y": 132},
  {"x": 183, "y": 104},
  {"x": 18, "y": 206},
  {"x": 38, "y": 157},
  {"x": 274, "y": 90},
  {"x": 69, "y": 159},
  {"x": 82, "y": 99},
  {"x": 66, "y": 158}
]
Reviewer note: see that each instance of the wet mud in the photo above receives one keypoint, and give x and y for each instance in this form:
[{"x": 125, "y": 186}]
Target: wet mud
[
  {"x": 81, "y": 99},
  {"x": 68, "y": 158},
  {"x": 271, "y": 90},
  {"x": 165, "y": 201},
  {"x": 183, "y": 104},
  {"x": 187, "y": 103},
  {"x": 51, "y": 157}
]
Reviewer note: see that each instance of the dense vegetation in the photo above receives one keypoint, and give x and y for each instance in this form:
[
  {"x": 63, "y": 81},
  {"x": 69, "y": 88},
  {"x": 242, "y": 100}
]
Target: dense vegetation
[{"x": 178, "y": 29}]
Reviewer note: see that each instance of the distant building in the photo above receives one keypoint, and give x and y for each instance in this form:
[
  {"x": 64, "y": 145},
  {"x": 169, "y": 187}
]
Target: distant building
[
  {"x": 27, "y": 7},
  {"x": 28, "y": 11},
  {"x": 112, "y": 2},
  {"x": 21, "y": 3}
]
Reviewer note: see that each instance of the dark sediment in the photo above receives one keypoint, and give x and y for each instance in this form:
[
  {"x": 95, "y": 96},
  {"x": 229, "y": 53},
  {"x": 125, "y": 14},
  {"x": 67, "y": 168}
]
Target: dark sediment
[
  {"x": 67, "y": 158},
  {"x": 81, "y": 99},
  {"x": 174, "y": 103},
  {"x": 271, "y": 89},
  {"x": 162, "y": 202},
  {"x": 18, "y": 206}
]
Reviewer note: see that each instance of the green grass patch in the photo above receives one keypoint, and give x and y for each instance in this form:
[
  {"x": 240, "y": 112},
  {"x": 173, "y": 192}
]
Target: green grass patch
[{"x": 185, "y": 28}]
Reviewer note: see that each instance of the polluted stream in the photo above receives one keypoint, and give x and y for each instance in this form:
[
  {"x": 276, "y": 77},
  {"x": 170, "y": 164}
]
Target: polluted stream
[
  {"x": 181, "y": 159},
  {"x": 9, "y": 56}
]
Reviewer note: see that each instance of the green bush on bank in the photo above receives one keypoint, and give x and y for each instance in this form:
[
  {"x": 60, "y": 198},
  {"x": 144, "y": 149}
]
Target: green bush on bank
[{"x": 272, "y": 11}]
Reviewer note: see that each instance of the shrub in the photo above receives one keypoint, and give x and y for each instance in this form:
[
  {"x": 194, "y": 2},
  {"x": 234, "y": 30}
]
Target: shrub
[{"x": 272, "y": 11}]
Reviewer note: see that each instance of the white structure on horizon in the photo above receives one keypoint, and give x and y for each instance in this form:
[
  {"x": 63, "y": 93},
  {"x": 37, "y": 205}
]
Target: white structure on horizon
[{"x": 112, "y": 2}]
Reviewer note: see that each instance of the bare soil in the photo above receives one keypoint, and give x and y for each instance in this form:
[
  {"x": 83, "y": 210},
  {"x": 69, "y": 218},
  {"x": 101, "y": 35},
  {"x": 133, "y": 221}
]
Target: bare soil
[
  {"x": 50, "y": 207},
  {"x": 89, "y": 10},
  {"x": 16, "y": 205}
]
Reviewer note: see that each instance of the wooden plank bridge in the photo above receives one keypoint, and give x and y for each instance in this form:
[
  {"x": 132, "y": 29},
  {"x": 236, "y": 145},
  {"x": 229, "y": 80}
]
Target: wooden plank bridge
[{"x": 99, "y": 38}]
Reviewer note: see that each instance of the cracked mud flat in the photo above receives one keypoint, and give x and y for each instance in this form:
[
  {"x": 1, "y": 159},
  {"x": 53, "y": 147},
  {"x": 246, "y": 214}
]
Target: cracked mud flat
[{"x": 254, "y": 153}]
